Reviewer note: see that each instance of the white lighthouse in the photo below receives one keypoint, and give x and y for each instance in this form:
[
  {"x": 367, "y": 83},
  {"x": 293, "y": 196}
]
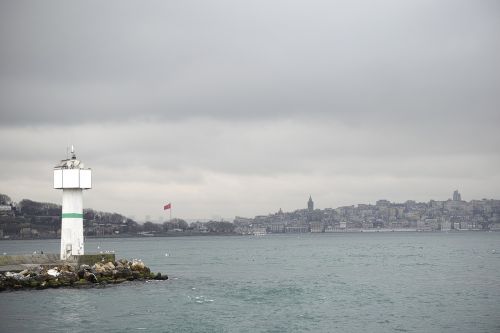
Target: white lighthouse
[{"x": 72, "y": 177}]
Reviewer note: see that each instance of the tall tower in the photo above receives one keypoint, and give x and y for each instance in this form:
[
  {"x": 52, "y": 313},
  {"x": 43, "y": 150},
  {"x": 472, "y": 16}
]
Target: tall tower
[
  {"x": 71, "y": 176},
  {"x": 310, "y": 204}
]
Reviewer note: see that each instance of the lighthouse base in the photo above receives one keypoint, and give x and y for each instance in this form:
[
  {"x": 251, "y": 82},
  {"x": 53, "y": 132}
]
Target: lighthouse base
[{"x": 72, "y": 224}]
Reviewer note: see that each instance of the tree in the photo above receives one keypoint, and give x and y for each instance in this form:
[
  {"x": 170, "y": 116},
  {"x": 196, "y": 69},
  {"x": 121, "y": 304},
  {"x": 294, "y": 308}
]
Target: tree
[
  {"x": 5, "y": 199},
  {"x": 175, "y": 224},
  {"x": 220, "y": 227},
  {"x": 150, "y": 226},
  {"x": 34, "y": 208},
  {"x": 132, "y": 226}
]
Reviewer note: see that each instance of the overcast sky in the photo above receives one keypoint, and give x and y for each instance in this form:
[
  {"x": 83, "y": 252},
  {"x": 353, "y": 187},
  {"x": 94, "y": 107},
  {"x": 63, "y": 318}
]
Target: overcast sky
[{"x": 231, "y": 108}]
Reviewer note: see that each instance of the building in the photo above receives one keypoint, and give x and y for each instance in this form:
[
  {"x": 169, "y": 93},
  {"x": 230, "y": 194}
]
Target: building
[
  {"x": 277, "y": 228},
  {"x": 296, "y": 229},
  {"x": 310, "y": 204},
  {"x": 457, "y": 196},
  {"x": 317, "y": 227},
  {"x": 445, "y": 225}
]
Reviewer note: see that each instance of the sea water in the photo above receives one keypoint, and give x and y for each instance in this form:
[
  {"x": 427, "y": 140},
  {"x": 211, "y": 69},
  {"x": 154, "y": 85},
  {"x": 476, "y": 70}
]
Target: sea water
[{"x": 355, "y": 282}]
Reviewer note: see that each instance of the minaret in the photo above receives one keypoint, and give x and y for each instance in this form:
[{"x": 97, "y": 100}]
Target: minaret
[{"x": 71, "y": 176}]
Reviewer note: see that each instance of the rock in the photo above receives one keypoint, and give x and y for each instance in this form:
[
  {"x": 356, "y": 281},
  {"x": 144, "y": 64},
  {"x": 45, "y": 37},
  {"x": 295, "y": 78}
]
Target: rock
[
  {"x": 98, "y": 268},
  {"x": 107, "y": 274},
  {"x": 49, "y": 278},
  {"x": 159, "y": 276},
  {"x": 14, "y": 276},
  {"x": 66, "y": 275},
  {"x": 104, "y": 280},
  {"x": 66, "y": 268},
  {"x": 67, "y": 278},
  {"x": 109, "y": 266},
  {"x": 32, "y": 275},
  {"x": 34, "y": 283},
  {"x": 41, "y": 278},
  {"x": 137, "y": 265},
  {"x": 90, "y": 277},
  {"x": 85, "y": 267},
  {"x": 54, "y": 283},
  {"x": 123, "y": 272},
  {"x": 81, "y": 282},
  {"x": 81, "y": 273},
  {"x": 53, "y": 272}
]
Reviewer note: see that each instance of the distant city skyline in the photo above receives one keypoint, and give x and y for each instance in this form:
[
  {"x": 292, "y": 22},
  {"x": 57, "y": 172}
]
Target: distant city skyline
[
  {"x": 229, "y": 108},
  {"x": 383, "y": 216},
  {"x": 309, "y": 206}
]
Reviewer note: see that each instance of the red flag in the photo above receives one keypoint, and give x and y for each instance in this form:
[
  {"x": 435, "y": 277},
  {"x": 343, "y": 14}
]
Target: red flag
[{"x": 167, "y": 206}]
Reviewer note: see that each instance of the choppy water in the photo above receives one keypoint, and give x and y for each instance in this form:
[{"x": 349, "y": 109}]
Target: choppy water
[{"x": 394, "y": 282}]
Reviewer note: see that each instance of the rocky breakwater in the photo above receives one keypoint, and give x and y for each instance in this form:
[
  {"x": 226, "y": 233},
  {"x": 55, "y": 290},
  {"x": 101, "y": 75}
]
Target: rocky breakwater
[{"x": 70, "y": 275}]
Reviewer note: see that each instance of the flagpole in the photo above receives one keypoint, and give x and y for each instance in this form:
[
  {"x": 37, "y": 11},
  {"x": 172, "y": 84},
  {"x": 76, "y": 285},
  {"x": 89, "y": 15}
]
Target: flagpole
[{"x": 169, "y": 207}]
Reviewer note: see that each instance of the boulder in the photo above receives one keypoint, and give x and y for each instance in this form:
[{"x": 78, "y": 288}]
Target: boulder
[
  {"x": 32, "y": 275},
  {"x": 90, "y": 277},
  {"x": 137, "y": 265},
  {"x": 34, "y": 283},
  {"x": 107, "y": 274},
  {"x": 54, "y": 283},
  {"x": 14, "y": 276},
  {"x": 41, "y": 278},
  {"x": 67, "y": 278},
  {"x": 53, "y": 272},
  {"x": 160, "y": 276},
  {"x": 98, "y": 268},
  {"x": 66, "y": 268},
  {"x": 109, "y": 266},
  {"x": 85, "y": 267},
  {"x": 123, "y": 272},
  {"x": 81, "y": 282},
  {"x": 81, "y": 273}
]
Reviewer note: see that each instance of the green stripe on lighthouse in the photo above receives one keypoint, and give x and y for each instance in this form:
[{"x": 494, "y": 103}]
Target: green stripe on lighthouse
[{"x": 72, "y": 216}]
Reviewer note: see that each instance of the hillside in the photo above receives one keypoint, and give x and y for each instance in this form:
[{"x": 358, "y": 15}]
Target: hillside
[{"x": 32, "y": 219}]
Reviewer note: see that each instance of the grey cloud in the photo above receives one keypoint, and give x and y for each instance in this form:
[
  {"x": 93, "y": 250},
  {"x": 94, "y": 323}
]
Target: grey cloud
[
  {"x": 68, "y": 63},
  {"x": 239, "y": 108},
  {"x": 266, "y": 147}
]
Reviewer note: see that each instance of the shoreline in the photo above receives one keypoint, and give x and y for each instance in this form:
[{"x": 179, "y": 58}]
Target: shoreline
[{"x": 179, "y": 234}]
